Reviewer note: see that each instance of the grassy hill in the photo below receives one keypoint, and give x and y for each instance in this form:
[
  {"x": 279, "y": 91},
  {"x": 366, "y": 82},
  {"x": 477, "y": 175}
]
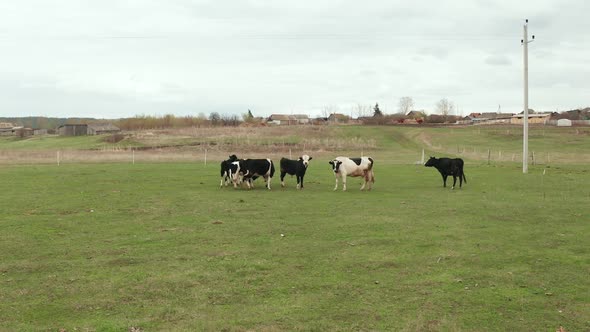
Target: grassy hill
[{"x": 396, "y": 144}]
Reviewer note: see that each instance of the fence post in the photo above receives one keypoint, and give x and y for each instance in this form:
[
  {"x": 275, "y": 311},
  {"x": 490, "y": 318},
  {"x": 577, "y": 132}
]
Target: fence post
[
  {"x": 57, "y": 157},
  {"x": 205, "y": 157},
  {"x": 290, "y": 157},
  {"x": 422, "y": 160},
  {"x": 533, "y": 157},
  {"x": 489, "y": 156},
  {"x": 133, "y": 155}
]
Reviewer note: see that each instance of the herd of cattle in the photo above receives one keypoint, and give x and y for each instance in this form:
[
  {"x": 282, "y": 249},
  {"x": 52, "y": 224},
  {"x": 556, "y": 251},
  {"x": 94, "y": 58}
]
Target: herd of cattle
[{"x": 238, "y": 171}]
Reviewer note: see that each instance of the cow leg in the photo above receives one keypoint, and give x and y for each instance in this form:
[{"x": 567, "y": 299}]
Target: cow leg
[
  {"x": 343, "y": 182},
  {"x": 221, "y": 182},
  {"x": 300, "y": 182},
  {"x": 336, "y": 186},
  {"x": 370, "y": 179},
  {"x": 460, "y": 179},
  {"x": 282, "y": 178},
  {"x": 267, "y": 179},
  {"x": 454, "y": 181},
  {"x": 444, "y": 181}
]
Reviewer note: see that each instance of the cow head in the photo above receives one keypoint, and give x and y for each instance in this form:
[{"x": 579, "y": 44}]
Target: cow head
[
  {"x": 431, "y": 162},
  {"x": 233, "y": 157},
  {"x": 305, "y": 159},
  {"x": 335, "y": 165},
  {"x": 234, "y": 172}
]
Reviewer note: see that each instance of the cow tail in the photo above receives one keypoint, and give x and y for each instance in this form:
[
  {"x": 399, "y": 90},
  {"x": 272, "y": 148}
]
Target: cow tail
[
  {"x": 464, "y": 178},
  {"x": 371, "y": 165}
]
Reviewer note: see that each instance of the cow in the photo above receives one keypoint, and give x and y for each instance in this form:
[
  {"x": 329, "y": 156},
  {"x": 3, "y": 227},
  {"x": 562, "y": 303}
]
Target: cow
[
  {"x": 250, "y": 169},
  {"x": 226, "y": 175},
  {"x": 448, "y": 166},
  {"x": 294, "y": 167},
  {"x": 344, "y": 166}
]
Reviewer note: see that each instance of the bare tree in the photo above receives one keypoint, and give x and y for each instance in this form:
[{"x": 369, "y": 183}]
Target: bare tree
[
  {"x": 405, "y": 105},
  {"x": 444, "y": 107},
  {"x": 362, "y": 110},
  {"x": 329, "y": 109}
]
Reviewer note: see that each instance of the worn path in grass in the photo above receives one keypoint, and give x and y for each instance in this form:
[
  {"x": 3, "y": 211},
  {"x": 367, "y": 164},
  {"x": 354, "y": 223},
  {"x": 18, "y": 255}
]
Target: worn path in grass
[{"x": 161, "y": 247}]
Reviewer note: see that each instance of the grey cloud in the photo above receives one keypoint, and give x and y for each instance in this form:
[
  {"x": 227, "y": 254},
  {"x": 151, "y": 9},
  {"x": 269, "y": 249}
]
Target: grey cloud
[{"x": 498, "y": 60}]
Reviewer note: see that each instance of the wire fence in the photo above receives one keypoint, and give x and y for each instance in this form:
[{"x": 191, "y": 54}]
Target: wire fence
[{"x": 207, "y": 155}]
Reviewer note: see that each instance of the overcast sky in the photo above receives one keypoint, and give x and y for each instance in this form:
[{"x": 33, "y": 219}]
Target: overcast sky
[{"x": 116, "y": 58}]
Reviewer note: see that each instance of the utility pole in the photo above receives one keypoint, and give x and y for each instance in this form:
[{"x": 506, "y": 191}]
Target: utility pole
[{"x": 525, "y": 119}]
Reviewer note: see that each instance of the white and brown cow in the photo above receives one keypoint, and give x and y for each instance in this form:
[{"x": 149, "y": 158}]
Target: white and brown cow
[
  {"x": 250, "y": 169},
  {"x": 344, "y": 166}
]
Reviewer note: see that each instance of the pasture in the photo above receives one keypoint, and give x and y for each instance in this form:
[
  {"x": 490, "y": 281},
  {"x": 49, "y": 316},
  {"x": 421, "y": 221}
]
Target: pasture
[{"x": 158, "y": 246}]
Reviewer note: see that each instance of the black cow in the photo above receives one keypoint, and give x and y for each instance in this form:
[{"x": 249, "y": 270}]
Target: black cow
[
  {"x": 226, "y": 171},
  {"x": 448, "y": 166},
  {"x": 250, "y": 169},
  {"x": 294, "y": 167}
]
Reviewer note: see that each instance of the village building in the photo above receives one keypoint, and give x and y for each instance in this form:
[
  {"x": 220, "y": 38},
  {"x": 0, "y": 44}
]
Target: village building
[
  {"x": 6, "y": 129},
  {"x": 535, "y": 118},
  {"x": 338, "y": 118},
  {"x": 72, "y": 130},
  {"x": 102, "y": 128},
  {"x": 282, "y": 119}
]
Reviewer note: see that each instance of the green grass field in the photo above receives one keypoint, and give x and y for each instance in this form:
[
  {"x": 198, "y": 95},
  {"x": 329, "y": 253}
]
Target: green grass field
[{"x": 110, "y": 246}]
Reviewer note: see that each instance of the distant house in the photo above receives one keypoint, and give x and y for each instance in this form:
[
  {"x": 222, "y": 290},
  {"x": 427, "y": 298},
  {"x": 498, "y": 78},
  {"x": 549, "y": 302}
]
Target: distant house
[
  {"x": 302, "y": 118},
  {"x": 72, "y": 130},
  {"x": 415, "y": 115},
  {"x": 282, "y": 119},
  {"x": 338, "y": 118},
  {"x": 23, "y": 132},
  {"x": 6, "y": 129},
  {"x": 319, "y": 121},
  {"x": 37, "y": 132},
  {"x": 492, "y": 118},
  {"x": 564, "y": 123},
  {"x": 535, "y": 118},
  {"x": 103, "y": 128}
]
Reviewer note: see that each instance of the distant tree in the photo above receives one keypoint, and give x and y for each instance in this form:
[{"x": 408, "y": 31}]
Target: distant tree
[
  {"x": 214, "y": 118},
  {"x": 248, "y": 117},
  {"x": 230, "y": 120},
  {"x": 376, "y": 111},
  {"x": 444, "y": 107},
  {"x": 405, "y": 105}
]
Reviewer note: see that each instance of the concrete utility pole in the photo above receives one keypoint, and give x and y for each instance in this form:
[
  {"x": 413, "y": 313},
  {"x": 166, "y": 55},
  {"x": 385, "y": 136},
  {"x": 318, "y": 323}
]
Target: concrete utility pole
[{"x": 525, "y": 119}]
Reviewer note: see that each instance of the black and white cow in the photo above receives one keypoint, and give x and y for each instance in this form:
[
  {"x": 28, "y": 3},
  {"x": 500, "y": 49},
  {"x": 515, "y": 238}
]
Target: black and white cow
[
  {"x": 226, "y": 175},
  {"x": 250, "y": 169},
  {"x": 344, "y": 166},
  {"x": 294, "y": 167},
  {"x": 448, "y": 166}
]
